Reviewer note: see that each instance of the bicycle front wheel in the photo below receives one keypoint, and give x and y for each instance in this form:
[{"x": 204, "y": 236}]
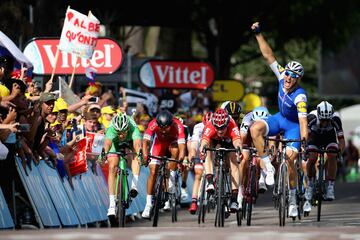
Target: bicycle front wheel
[
  {"x": 158, "y": 199},
  {"x": 320, "y": 188},
  {"x": 122, "y": 198},
  {"x": 220, "y": 208},
  {"x": 282, "y": 194},
  {"x": 250, "y": 199},
  {"x": 202, "y": 206}
]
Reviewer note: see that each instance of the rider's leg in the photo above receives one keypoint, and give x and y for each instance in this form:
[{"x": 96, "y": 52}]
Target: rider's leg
[
  {"x": 135, "y": 168},
  {"x": 331, "y": 168},
  {"x": 113, "y": 161},
  {"x": 258, "y": 130},
  {"x": 291, "y": 156},
  {"x": 235, "y": 178}
]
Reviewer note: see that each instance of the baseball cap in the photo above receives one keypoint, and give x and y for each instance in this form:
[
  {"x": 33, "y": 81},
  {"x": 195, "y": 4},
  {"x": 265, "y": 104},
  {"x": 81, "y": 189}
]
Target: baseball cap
[
  {"x": 108, "y": 110},
  {"x": 94, "y": 106},
  {"x": 45, "y": 97}
]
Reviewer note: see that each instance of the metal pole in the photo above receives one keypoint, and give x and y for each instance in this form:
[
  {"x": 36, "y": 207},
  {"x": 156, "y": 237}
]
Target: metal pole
[{"x": 129, "y": 73}]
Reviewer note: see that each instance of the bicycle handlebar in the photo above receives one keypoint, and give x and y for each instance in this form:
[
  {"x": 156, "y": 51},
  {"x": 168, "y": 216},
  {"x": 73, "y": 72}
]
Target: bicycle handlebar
[
  {"x": 322, "y": 151},
  {"x": 284, "y": 140},
  {"x": 164, "y": 158}
]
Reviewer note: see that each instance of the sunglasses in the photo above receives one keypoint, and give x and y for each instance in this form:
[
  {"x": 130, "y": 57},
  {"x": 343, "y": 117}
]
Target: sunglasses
[{"x": 291, "y": 74}]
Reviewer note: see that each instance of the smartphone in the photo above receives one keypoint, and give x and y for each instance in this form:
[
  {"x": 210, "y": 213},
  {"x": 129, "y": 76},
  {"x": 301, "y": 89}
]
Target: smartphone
[
  {"x": 94, "y": 100},
  {"x": 23, "y": 127}
]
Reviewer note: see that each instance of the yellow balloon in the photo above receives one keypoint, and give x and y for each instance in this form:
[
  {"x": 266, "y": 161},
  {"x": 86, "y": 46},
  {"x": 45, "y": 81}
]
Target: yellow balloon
[{"x": 251, "y": 101}]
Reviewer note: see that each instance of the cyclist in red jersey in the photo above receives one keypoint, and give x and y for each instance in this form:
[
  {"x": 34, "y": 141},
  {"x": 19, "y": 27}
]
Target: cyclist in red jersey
[
  {"x": 222, "y": 130},
  {"x": 167, "y": 138}
]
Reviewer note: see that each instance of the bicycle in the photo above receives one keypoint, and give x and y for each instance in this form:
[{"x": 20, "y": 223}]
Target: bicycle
[
  {"x": 281, "y": 188},
  {"x": 252, "y": 186},
  {"x": 160, "y": 196},
  {"x": 122, "y": 185},
  {"x": 300, "y": 189},
  {"x": 206, "y": 201},
  {"x": 319, "y": 183},
  {"x": 223, "y": 187}
]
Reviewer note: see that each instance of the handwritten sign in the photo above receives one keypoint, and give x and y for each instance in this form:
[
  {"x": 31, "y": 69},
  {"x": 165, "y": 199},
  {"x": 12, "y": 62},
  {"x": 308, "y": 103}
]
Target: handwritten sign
[{"x": 79, "y": 34}]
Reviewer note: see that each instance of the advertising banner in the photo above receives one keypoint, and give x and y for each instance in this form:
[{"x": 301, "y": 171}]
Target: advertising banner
[
  {"x": 171, "y": 74},
  {"x": 106, "y": 59},
  {"x": 228, "y": 90}
]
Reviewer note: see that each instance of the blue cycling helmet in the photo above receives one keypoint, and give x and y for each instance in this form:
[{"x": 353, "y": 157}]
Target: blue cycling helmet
[{"x": 260, "y": 113}]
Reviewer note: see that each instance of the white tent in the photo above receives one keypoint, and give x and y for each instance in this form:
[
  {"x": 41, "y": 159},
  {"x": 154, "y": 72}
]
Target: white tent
[{"x": 350, "y": 117}]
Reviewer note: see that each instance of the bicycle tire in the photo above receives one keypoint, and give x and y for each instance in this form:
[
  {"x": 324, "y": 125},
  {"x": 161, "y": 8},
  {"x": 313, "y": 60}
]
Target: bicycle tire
[
  {"x": 220, "y": 208},
  {"x": 320, "y": 186},
  {"x": 121, "y": 199},
  {"x": 158, "y": 200},
  {"x": 300, "y": 193},
  {"x": 250, "y": 198},
  {"x": 282, "y": 195},
  {"x": 202, "y": 207}
]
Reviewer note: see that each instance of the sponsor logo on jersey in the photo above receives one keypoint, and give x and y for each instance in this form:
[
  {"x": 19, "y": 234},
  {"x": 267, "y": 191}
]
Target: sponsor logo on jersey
[{"x": 302, "y": 107}]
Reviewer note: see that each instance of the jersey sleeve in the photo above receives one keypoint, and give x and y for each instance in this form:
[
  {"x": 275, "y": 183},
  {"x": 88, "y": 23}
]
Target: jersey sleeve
[
  {"x": 245, "y": 124},
  {"x": 208, "y": 132},
  {"x": 135, "y": 132},
  {"x": 150, "y": 130},
  {"x": 234, "y": 130},
  {"x": 111, "y": 133},
  {"x": 301, "y": 104},
  {"x": 198, "y": 128},
  {"x": 181, "y": 132},
  {"x": 278, "y": 70},
  {"x": 338, "y": 127}
]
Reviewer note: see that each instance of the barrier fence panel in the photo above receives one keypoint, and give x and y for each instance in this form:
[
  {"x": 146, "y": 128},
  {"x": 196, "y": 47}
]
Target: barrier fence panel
[
  {"x": 58, "y": 195},
  {"x": 44, "y": 208},
  {"x": 78, "y": 201},
  {"x": 84, "y": 199},
  {"x": 6, "y": 220},
  {"x": 94, "y": 195}
]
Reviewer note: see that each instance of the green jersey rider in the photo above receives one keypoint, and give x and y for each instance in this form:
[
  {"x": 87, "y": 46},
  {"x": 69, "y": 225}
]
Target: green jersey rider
[{"x": 122, "y": 130}]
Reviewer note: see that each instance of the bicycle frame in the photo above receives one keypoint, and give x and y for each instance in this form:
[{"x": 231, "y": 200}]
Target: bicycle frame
[
  {"x": 223, "y": 186},
  {"x": 160, "y": 197},
  {"x": 320, "y": 177},
  {"x": 251, "y": 190},
  {"x": 282, "y": 185}
]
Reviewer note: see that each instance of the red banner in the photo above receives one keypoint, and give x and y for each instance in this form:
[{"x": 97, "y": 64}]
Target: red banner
[
  {"x": 79, "y": 165},
  {"x": 166, "y": 74},
  {"x": 106, "y": 59}
]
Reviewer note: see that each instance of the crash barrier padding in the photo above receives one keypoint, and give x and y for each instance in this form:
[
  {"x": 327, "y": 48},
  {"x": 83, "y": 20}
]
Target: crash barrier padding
[
  {"x": 58, "y": 203},
  {"x": 45, "y": 211},
  {"x": 57, "y": 192},
  {"x": 6, "y": 221}
]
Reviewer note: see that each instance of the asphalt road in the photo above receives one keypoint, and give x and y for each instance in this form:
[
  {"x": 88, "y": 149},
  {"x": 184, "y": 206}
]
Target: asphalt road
[{"x": 340, "y": 220}]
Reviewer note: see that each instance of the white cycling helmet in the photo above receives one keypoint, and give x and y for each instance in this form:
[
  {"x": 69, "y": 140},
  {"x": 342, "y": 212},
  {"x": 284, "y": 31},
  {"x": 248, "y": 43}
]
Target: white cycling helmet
[
  {"x": 120, "y": 122},
  {"x": 325, "y": 110},
  {"x": 295, "y": 67},
  {"x": 260, "y": 113}
]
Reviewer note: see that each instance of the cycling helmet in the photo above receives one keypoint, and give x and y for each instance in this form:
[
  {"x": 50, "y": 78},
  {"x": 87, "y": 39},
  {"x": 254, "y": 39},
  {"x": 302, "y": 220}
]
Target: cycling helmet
[
  {"x": 207, "y": 117},
  {"x": 120, "y": 122},
  {"x": 295, "y": 67},
  {"x": 260, "y": 113},
  {"x": 233, "y": 109},
  {"x": 220, "y": 119},
  {"x": 324, "y": 110},
  {"x": 164, "y": 118}
]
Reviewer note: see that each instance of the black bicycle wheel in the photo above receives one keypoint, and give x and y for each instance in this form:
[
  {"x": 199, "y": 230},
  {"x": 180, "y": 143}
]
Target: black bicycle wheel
[
  {"x": 121, "y": 199},
  {"x": 158, "y": 199},
  {"x": 282, "y": 194},
  {"x": 249, "y": 200},
  {"x": 173, "y": 207},
  {"x": 300, "y": 193},
  {"x": 202, "y": 206},
  {"x": 320, "y": 187},
  {"x": 220, "y": 208}
]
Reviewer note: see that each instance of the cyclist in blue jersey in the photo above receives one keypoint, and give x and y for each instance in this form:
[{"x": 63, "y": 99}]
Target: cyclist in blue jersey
[{"x": 291, "y": 118}]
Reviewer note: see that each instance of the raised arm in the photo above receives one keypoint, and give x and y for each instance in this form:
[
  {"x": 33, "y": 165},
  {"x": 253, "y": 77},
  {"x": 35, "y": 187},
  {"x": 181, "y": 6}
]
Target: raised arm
[{"x": 265, "y": 48}]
